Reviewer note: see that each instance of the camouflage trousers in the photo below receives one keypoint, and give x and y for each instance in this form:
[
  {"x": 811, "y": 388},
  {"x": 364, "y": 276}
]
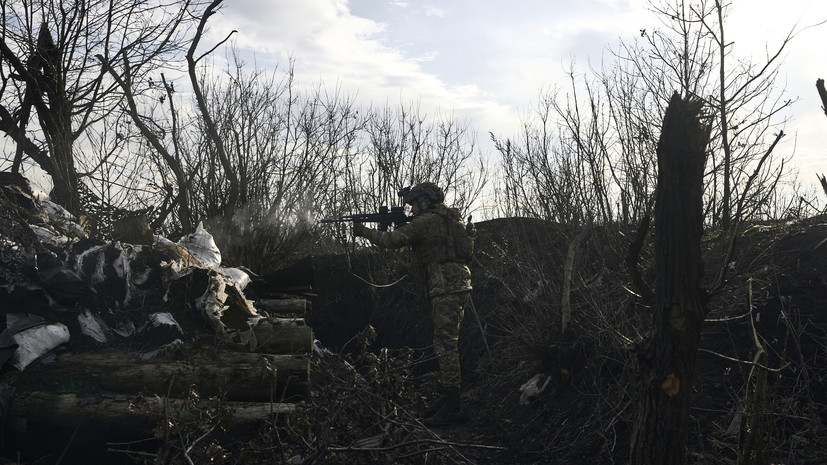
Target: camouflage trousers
[{"x": 447, "y": 311}]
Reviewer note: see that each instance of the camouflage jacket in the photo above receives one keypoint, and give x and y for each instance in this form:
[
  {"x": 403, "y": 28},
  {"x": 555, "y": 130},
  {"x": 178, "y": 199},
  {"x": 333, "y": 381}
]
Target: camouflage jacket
[{"x": 426, "y": 236}]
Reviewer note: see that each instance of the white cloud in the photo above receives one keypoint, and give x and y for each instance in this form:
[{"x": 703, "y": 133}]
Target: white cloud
[
  {"x": 482, "y": 60},
  {"x": 331, "y": 44},
  {"x": 309, "y": 25},
  {"x": 431, "y": 10},
  {"x": 431, "y": 55}
]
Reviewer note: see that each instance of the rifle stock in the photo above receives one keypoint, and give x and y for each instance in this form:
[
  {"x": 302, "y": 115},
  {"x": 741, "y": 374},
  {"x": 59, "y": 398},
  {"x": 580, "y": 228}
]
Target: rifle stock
[{"x": 385, "y": 217}]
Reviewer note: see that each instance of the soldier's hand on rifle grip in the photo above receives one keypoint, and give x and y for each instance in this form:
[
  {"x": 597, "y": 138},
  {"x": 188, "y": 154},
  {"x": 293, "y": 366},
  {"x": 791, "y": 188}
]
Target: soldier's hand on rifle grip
[{"x": 358, "y": 229}]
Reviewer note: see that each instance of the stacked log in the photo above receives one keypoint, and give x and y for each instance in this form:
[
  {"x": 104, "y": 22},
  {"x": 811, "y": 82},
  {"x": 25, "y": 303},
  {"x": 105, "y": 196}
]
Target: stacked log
[
  {"x": 138, "y": 337},
  {"x": 84, "y": 402}
]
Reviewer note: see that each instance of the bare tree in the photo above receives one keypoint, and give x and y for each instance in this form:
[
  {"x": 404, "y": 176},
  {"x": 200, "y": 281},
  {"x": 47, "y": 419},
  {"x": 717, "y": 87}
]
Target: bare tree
[
  {"x": 691, "y": 55},
  {"x": 49, "y": 64},
  {"x": 632, "y": 155},
  {"x": 402, "y": 146},
  {"x": 287, "y": 147},
  {"x": 544, "y": 169},
  {"x": 216, "y": 143},
  {"x": 577, "y": 157},
  {"x": 169, "y": 156}
]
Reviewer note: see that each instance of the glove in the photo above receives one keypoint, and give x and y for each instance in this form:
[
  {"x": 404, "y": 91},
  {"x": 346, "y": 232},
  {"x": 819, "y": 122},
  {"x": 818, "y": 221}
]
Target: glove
[{"x": 358, "y": 229}]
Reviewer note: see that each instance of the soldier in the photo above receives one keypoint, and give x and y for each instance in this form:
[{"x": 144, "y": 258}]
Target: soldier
[{"x": 441, "y": 247}]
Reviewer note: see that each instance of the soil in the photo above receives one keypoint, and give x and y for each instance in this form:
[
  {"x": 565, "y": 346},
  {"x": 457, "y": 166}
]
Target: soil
[{"x": 772, "y": 300}]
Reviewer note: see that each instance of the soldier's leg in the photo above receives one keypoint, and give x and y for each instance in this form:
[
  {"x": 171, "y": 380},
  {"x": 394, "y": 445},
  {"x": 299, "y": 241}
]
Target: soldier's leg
[{"x": 447, "y": 315}]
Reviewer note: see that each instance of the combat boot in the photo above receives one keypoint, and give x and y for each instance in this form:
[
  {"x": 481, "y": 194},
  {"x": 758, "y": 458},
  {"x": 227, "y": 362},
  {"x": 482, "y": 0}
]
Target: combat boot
[{"x": 450, "y": 411}]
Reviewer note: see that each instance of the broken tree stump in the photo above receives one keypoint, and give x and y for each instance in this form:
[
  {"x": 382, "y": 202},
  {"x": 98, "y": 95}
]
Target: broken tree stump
[{"x": 667, "y": 356}]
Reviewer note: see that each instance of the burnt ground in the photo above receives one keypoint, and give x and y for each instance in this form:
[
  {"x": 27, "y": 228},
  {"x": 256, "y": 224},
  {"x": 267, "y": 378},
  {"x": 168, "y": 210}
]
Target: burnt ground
[{"x": 773, "y": 300}]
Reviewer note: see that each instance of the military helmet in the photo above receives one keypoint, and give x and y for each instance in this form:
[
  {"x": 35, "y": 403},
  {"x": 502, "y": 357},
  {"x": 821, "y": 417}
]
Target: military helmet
[{"x": 427, "y": 189}]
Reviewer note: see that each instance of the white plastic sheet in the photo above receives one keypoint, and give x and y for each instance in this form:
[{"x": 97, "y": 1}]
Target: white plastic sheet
[
  {"x": 61, "y": 217},
  {"x": 92, "y": 326},
  {"x": 239, "y": 276},
  {"x": 218, "y": 308},
  {"x": 36, "y": 342},
  {"x": 533, "y": 388},
  {"x": 201, "y": 245}
]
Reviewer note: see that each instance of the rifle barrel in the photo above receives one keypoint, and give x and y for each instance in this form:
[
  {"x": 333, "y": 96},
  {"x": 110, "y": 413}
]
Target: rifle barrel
[{"x": 383, "y": 217}]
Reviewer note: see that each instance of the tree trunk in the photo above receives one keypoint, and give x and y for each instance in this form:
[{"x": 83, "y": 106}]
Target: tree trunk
[
  {"x": 65, "y": 190},
  {"x": 44, "y": 74},
  {"x": 822, "y": 93},
  {"x": 565, "y": 304},
  {"x": 212, "y": 131},
  {"x": 57, "y": 125},
  {"x": 723, "y": 113},
  {"x": 238, "y": 376},
  {"x": 667, "y": 358}
]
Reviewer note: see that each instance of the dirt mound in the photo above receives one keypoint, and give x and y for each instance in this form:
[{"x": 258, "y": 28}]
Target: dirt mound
[{"x": 771, "y": 301}]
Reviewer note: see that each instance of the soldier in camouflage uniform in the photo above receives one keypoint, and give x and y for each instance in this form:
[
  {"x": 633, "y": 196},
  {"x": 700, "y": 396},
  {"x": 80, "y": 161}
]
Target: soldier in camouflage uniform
[{"x": 447, "y": 279}]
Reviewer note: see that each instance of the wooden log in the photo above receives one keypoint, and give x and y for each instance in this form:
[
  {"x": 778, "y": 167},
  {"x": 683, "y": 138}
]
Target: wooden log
[
  {"x": 283, "y": 336},
  {"x": 239, "y": 376},
  {"x": 133, "y": 229},
  {"x": 284, "y": 307},
  {"x": 67, "y": 410},
  {"x": 291, "y": 321},
  {"x": 45, "y": 423}
]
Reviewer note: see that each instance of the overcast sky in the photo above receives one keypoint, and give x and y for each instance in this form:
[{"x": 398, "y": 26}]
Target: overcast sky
[{"x": 485, "y": 61}]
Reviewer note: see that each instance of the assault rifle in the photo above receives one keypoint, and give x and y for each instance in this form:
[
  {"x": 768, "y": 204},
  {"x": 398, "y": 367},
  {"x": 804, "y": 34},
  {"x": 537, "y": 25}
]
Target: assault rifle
[{"x": 385, "y": 217}]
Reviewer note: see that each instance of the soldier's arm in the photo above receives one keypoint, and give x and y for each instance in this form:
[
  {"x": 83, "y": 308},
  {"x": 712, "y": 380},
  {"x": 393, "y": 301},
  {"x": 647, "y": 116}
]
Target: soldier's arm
[{"x": 405, "y": 235}]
